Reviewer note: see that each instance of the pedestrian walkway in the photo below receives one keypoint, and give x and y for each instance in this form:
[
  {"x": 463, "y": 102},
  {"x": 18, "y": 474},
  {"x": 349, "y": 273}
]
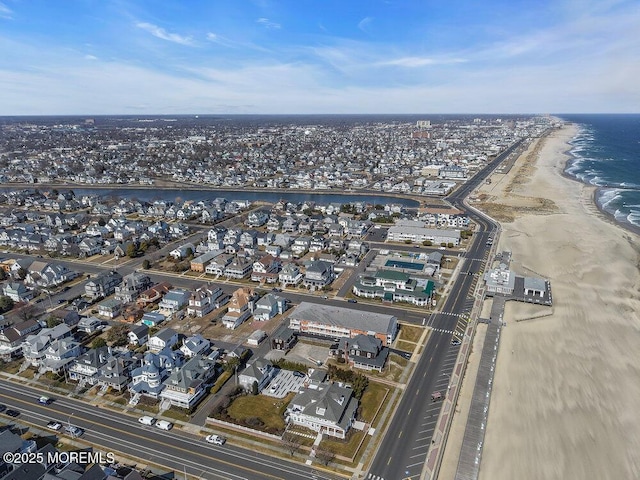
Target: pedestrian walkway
[{"x": 316, "y": 444}]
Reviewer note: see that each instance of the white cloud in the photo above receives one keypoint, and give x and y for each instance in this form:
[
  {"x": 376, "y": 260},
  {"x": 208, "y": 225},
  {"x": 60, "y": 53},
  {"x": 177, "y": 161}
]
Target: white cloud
[
  {"x": 268, "y": 24},
  {"x": 160, "y": 32},
  {"x": 212, "y": 37},
  {"x": 415, "y": 62},
  {"x": 90, "y": 57},
  {"x": 365, "y": 23},
  {"x": 5, "y": 12}
]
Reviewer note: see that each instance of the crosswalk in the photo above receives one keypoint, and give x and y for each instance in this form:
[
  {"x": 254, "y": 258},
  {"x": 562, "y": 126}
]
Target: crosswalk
[{"x": 371, "y": 476}]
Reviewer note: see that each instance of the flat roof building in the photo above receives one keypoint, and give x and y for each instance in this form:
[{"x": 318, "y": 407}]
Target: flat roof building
[{"x": 335, "y": 322}]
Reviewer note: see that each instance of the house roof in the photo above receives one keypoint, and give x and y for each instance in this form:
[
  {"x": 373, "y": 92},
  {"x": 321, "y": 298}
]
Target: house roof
[{"x": 344, "y": 317}]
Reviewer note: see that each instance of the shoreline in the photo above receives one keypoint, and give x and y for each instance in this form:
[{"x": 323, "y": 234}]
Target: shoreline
[
  {"x": 563, "y": 406},
  {"x": 596, "y": 188}
]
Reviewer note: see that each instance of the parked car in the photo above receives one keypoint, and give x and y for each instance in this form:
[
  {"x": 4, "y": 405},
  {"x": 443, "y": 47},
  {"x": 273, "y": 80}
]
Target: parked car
[
  {"x": 216, "y": 439},
  {"x": 53, "y": 425},
  {"x": 73, "y": 430},
  {"x": 2, "y": 407},
  {"x": 274, "y": 387},
  {"x": 352, "y": 300},
  {"x": 164, "y": 425},
  {"x": 147, "y": 420},
  {"x": 12, "y": 413},
  {"x": 455, "y": 342}
]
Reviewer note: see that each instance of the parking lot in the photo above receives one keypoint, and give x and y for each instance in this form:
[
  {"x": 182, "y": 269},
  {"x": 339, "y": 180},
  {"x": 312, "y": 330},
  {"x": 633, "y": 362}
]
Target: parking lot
[{"x": 284, "y": 382}]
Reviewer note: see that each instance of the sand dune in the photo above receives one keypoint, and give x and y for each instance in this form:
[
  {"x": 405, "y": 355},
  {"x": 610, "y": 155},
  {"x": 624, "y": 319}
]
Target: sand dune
[{"x": 566, "y": 397}]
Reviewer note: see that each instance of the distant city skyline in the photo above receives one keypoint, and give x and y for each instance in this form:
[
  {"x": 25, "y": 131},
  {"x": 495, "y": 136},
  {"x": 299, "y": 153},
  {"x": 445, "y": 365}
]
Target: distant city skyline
[{"x": 304, "y": 56}]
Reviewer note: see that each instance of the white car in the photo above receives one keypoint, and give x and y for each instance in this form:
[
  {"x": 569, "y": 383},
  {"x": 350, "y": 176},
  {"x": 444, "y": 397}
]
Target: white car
[
  {"x": 215, "y": 439},
  {"x": 53, "y": 425},
  {"x": 274, "y": 387},
  {"x": 147, "y": 420},
  {"x": 164, "y": 425}
]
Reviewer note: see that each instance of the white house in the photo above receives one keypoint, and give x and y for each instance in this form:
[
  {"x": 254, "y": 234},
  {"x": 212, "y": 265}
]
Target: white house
[{"x": 165, "y": 338}]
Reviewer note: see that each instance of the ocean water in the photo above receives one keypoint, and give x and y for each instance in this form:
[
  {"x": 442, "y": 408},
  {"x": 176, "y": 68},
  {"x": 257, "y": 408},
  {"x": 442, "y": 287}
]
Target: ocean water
[{"x": 606, "y": 153}]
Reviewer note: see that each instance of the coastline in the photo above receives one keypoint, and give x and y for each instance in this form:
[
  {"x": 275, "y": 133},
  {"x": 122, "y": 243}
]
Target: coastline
[
  {"x": 565, "y": 398},
  {"x": 596, "y": 189}
]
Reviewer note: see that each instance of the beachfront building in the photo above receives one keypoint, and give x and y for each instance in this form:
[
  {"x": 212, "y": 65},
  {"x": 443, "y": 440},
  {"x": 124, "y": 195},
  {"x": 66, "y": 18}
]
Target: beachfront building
[
  {"x": 392, "y": 286},
  {"x": 335, "y": 322},
  {"x": 535, "y": 287},
  {"x": 402, "y": 233},
  {"x": 500, "y": 280}
]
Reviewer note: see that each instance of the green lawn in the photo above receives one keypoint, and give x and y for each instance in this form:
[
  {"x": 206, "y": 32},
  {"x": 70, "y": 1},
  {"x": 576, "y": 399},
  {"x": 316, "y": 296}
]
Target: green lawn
[{"x": 346, "y": 448}]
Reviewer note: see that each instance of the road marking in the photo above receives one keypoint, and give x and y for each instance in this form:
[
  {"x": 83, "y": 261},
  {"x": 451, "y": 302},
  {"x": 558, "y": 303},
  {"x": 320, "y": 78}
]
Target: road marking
[
  {"x": 400, "y": 434},
  {"x": 389, "y": 462}
]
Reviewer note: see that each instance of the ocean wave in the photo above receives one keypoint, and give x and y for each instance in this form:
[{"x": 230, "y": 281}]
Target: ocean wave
[
  {"x": 608, "y": 196},
  {"x": 634, "y": 218}
]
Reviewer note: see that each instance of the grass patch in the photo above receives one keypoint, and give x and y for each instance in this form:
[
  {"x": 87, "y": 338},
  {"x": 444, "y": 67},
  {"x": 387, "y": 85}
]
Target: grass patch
[
  {"x": 398, "y": 359},
  {"x": 406, "y": 346},
  {"x": 11, "y": 367},
  {"x": 176, "y": 415},
  {"x": 371, "y": 400},
  {"x": 346, "y": 447},
  {"x": 28, "y": 373},
  {"x": 410, "y": 333},
  {"x": 268, "y": 409}
]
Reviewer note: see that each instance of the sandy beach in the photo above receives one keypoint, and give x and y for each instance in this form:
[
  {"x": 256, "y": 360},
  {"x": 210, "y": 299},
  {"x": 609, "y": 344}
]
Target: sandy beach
[{"x": 566, "y": 394}]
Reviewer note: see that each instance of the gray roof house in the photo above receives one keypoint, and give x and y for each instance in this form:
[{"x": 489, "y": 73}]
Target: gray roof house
[
  {"x": 330, "y": 409},
  {"x": 260, "y": 371},
  {"x": 186, "y": 385}
]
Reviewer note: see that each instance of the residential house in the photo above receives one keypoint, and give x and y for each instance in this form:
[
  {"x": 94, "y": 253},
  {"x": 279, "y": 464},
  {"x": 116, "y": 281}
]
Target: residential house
[
  {"x": 290, "y": 275},
  {"x": 153, "y": 294},
  {"x": 183, "y": 251},
  {"x": 240, "y": 307},
  {"x": 266, "y": 269},
  {"x": 102, "y": 285},
  {"x": 138, "y": 335},
  {"x": 260, "y": 371},
  {"x": 195, "y": 345},
  {"x": 284, "y": 339},
  {"x": 132, "y": 286},
  {"x": 365, "y": 352},
  {"x": 200, "y": 263},
  {"x": 59, "y": 355},
  {"x": 239, "y": 268},
  {"x": 173, "y": 301},
  {"x": 66, "y": 316},
  {"x": 392, "y": 286},
  {"x": 89, "y": 325},
  {"x": 319, "y": 274},
  {"x": 17, "y": 292},
  {"x": 330, "y": 409},
  {"x": 186, "y": 385},
  {"x": 84, "y": 369},
  {"x": 11, "y": 338},
  {"x": 45, "y": 274},
  {"x": 205, "y": 299},
  {"x": 218, "y": 265},
  {"x": 269, "y": 306},
  {"x": 155, "y": 369},
  {"x": 110, "y": 308},
  {"x": 165, "y": 338},
  {"x": 152, "y": 319},
  {"x": 116, "y": 372}
]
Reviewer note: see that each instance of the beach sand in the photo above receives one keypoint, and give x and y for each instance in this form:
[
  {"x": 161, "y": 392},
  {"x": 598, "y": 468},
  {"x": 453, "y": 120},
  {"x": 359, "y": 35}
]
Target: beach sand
[{"x": 566, "y": 397}]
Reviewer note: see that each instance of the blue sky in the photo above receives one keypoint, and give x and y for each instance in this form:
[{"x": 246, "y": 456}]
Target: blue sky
[{"x": 318, "y": 56}]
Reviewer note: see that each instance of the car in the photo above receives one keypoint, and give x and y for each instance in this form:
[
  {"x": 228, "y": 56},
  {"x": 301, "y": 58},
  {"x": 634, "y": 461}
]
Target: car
[
  {"x": 12, "y": 413},
  {"x": 53, "y": 425},
  {"x": 147, "y": 420},
  {"x": 455, "y": 342},
  {"x": 351, "y": 300},
  {"x": 274, "y": 387},
  {"x": 73, "y": 430},
  {"x": 44, "y": 400},
  {"x": 326, "y": 297},
  {"x": 2, "y": 407},
  {"x": 442, "y": 248},
  {"x": 298, "y": 374},
  {"x": 276, "y": 289},
  {"x": 216, "y": 439},
  {"x": 164, "y": 425}
]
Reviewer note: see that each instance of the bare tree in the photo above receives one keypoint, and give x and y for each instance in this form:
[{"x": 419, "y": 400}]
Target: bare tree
[
  {"x": 325, "y": 456},
  {"x": 291, "y": 442}
]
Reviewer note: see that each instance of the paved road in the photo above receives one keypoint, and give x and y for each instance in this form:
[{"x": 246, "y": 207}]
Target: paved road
[
  {"x": 403, "y": 451},
  {"x": 174, "y": 450}
]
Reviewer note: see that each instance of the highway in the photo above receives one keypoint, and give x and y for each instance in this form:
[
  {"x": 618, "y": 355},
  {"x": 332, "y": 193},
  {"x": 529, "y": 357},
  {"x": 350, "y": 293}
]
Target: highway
[
  {"x": 404, "y": 449},
  {"x": 176, "y": 450}
]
